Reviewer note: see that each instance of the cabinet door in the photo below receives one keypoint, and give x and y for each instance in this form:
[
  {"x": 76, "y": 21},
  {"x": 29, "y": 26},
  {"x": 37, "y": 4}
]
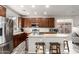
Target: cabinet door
[
  {"x": 40, "y": 22},
  {"x": 2, "y": 11},
  {"x": 51, "y": 22},
  {"x": 22, "y": 22},
  {"x": 22, "y": 37},
  {"x": 33, "y": 20},
  {"x": 46, "y": 22},
  {"x": 15, "y": 41},
  {"x": 43, "y": 22},
  {"x": 27, "y": 22}
]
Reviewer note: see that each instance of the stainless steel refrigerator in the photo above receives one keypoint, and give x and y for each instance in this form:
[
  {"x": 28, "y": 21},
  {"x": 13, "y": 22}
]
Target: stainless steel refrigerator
[{"x": 6, "y": 35}]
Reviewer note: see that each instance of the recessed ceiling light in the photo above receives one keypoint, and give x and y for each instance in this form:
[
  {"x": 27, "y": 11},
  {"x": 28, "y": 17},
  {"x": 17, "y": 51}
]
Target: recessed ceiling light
[
  {"x": 45, "y": 13},
  {"x": 33, "y": 6},
  {"x": 35, "y": 13},
  {"x": 28, "y": 13},
  {"x": 47, "y": 6},
  {"x": 21, "y": 6}
]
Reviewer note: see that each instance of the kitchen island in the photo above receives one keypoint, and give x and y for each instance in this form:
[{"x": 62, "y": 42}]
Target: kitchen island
[{"x": 46, "y": 38}]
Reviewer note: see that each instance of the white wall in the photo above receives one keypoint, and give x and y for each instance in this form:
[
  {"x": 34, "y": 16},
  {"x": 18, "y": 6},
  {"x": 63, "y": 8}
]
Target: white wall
[
  {"x": 10, "y": 12},
  {"x": 76, "y": 21}
]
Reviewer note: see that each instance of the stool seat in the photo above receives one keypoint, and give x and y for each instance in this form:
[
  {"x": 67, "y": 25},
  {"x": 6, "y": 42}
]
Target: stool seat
[
  {"x": 53, "y": 43},
  {"x": 40, "y": 43},
  {"x": 54, "y": 48},
  {"x": 40, "y": 47}
]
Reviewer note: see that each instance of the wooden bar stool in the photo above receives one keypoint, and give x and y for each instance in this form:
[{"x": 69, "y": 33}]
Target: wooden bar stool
[
  {"x": 40, "y": 47},
  {"x": 66, "y": 46},
  {"x": 54, "y": 48}
]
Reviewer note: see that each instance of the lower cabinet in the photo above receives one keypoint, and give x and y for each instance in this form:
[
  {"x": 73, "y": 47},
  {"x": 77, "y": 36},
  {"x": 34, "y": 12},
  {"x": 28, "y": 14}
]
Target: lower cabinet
[{"x": 19, "y": 38}]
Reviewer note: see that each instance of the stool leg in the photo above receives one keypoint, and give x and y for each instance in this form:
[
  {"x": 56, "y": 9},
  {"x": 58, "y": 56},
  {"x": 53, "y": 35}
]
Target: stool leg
[
  {"x": 40, "y": 47},
  {"x": 66, "y": 46}
]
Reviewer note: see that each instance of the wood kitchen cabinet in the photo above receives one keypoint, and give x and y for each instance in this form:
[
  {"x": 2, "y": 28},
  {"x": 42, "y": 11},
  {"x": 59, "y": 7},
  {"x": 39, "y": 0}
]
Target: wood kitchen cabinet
[
  {"x": 42, "y": 22},
  {"x": 26, "y": 22},
  {"x": 2, "y": 11},
  {"x": 21, "y": 22},
  {"x": 51, "y": 22},
  {"x": 47, "y": 22},
  {"x": 17, "y": 39}
]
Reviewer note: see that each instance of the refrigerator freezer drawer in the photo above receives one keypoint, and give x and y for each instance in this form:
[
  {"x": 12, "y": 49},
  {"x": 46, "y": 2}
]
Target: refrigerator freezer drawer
[{"x": 6, "y": 48}]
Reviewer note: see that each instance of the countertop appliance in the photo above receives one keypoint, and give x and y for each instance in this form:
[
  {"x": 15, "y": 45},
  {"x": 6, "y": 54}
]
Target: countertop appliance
[
  {"x": 6, "y": 35},
  {"x": 35, "y": 31},
  {"x": 54, "y": 30},
  {"x": 35, "y": 28}
]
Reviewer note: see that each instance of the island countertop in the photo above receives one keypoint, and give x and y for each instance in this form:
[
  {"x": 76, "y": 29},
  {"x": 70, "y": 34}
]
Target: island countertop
[
  {"x": 46, "y": 38},
  {"x": 49, "y": 35},
  {"x": 16, "y": 33}
]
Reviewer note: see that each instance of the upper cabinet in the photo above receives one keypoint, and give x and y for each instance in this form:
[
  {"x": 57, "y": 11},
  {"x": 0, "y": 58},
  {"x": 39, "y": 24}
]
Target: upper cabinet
[
  {"x": 51, "y": 22},
  {"x": 43, "y": 22},
  {"x": 40, "y": 22},
  {"x": 26, "y": 22},
  {"x": 2, "y": 11}
]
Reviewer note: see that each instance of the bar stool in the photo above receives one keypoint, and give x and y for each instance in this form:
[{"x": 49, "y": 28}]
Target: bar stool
[
  {"x": 40, "y": 47},
  {"x": 54, "y": 48},
  {"x": 66, "y": 46}
]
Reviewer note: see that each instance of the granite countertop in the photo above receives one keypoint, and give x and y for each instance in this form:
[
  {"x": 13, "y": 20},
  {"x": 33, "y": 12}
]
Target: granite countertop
[
  {"x": 16, "y": 33},
  {"x": 20, "y": 49},
  {"x": 49, "y": 35}
]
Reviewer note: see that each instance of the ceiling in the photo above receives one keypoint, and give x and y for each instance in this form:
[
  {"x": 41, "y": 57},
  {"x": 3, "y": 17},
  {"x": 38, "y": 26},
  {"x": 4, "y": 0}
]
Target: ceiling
[{"x": 45, "y": 10}]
